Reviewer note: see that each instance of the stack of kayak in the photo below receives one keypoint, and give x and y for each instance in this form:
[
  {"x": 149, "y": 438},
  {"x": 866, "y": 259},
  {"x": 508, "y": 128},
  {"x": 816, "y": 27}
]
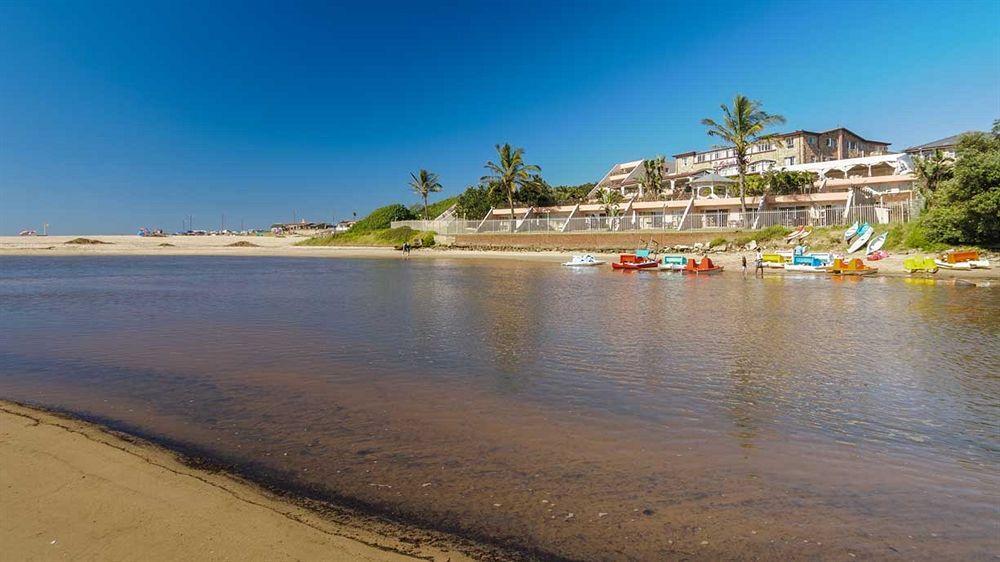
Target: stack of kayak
[{"x": 862, "y": 235}]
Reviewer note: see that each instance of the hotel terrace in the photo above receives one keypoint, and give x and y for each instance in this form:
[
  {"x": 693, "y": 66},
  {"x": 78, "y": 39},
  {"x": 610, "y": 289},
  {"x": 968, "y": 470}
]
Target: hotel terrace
[
  {"x": 699, "y": 189},
  {"x": 856, "y": 179}
]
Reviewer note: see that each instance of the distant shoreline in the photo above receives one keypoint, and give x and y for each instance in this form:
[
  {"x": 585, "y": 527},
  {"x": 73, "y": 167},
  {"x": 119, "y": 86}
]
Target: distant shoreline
[{"x": 270, "y": 246}]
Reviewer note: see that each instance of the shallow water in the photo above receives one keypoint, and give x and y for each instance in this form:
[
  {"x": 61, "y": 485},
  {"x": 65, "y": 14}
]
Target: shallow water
[{"x": 588, "y": 414}]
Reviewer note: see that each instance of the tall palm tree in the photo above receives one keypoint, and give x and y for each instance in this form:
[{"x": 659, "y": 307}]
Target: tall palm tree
[
  {"x": 931, "y": 171},
  {"x": 742, "y": 126},
  {"x": 423, "y": 183},
  {"x": 510, "y": 173}
]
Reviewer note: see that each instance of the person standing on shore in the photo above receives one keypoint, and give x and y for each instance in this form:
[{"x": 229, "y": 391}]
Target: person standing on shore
[
  {"x": 744, "y": 258},
  {"x": 759, "y": 264}
]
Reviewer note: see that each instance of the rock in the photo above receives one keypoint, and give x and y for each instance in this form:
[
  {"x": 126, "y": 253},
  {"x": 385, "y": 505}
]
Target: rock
[
  {"x": 601, "y": 514},
  {"x": 568, "y": 517},
  {"x": 719, "y": 248},
  {"x": 682, "y": 248},
  {"x": 752, "y": 245}
]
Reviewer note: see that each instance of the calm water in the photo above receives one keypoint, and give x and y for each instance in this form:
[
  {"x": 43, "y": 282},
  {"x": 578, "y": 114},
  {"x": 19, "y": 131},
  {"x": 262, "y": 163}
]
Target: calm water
[{"x": 587, "y": 414}]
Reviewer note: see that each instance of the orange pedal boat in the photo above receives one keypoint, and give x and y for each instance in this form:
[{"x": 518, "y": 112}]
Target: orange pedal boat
[
  {"x": 634, "y": 261},
  {"x": 853, "y": 267},
  {"x": 703, "y": 267}
]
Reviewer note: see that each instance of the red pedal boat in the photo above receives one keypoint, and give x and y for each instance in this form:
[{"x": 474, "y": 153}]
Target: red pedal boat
[
  {"x": 703, "y": 267},
  {"x": 634, "y": 261}
]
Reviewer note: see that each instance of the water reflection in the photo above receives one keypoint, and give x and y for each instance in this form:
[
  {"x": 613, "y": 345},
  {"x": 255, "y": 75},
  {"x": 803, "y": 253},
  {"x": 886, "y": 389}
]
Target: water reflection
[{"x": 708, "y": 402}]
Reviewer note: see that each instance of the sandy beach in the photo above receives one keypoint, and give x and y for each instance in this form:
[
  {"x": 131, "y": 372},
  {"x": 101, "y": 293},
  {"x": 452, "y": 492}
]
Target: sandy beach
[
  {"x": 126, "y": 245},
  {"x": 72, "y": 490}
]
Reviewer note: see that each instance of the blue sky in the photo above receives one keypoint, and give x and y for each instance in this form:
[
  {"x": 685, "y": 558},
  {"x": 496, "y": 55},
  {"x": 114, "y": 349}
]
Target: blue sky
[{"x": 120, "y": 115}]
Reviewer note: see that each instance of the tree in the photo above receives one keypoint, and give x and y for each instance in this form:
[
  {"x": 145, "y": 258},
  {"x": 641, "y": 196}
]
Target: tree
[
  {"x": 423, "y": 183},
  {"x": 966, "y": 208},
  {"x": 742, "y": 126},
  {"x": 611, "y": 200},
  {"x": 652, "y": 177},
  {"x": 931, "y": 171},
  {"x": 779, "y": 182},
  {"x": 536, "y": 192},
  {"x": 572, "y": 193},
  {"x": 510, "y": 173},
  {"x": 477, "y": 200}
]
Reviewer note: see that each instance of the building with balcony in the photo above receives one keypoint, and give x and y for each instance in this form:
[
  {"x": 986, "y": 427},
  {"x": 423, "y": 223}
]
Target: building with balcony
[
  {"x": 948, "y": 147},
  {"x": 626, "y": 178},
  {"x": 784, "y": 149}
]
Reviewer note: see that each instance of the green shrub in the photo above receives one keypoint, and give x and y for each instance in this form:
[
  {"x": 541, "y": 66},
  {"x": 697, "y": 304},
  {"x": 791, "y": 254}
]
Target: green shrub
[
  {"x": 381, "y": 219},
  {"x": 717, "y": 241},
  {"x": 426, "y": 239},
  {"x": 763, "y": 235}
]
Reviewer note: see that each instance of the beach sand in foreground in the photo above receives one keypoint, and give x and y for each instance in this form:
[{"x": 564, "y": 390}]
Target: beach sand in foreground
[{"x": 70, "y": 490}]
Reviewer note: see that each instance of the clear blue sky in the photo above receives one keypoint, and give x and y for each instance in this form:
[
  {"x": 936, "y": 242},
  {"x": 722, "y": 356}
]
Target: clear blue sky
[{"x": 120, "y": 115}]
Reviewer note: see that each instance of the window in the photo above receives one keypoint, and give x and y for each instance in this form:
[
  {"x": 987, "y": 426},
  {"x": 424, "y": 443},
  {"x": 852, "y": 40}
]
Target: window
[
  {"x": 851, "y": 145},
  {"x": 812, "y": 141},
  {"x": 789, "y": 160},
  {"x": 764, "y": 147},
  {"x": 831, "y": 142},
  {"x": 790, "y": 142},
  {"x": 701, "y": 158}
]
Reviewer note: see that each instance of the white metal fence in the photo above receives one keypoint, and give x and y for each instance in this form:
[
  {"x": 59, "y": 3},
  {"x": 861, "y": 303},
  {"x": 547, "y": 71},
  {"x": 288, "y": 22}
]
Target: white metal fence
[{"x": 707, "y": 220}]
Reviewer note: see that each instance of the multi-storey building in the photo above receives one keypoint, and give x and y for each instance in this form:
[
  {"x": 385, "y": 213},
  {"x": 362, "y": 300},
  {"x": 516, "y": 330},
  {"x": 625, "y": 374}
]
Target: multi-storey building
[
  {"x": 948, "y": 147},
  {"x": 785, "y": 149},
  {"x": 626, "y": 178}
]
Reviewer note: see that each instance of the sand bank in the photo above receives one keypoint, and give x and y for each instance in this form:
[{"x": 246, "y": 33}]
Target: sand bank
[
  {"x": 71, "y": 490},
  {"x": 285, "y": 247}
]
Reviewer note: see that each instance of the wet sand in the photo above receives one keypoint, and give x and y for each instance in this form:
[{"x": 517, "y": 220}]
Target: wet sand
[
  {"x": 73, "y": 490},
  {"x": 119, "y": 245}
]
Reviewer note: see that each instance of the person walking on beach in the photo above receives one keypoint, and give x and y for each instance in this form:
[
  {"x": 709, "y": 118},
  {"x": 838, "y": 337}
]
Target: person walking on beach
[
  {"x": 406, "y": 249},
  {"x": 759, "y": 264},
  {"x": 744, "y": 258}
]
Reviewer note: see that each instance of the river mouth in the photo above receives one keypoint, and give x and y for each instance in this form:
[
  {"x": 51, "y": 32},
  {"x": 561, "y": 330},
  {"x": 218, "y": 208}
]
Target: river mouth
[{"x": 584, "y": 415}]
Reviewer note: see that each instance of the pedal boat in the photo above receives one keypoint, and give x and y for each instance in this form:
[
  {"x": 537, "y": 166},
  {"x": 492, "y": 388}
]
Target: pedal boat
[
  {"x": 703, "y": 267},
  {"x": 854, "y": 267}
]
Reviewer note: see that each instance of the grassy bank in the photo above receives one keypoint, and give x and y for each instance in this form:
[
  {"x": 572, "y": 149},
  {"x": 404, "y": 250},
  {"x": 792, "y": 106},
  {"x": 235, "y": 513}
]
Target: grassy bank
[
  {"x": 902, "y": 238},
  {"x": 389, "y": 237}
]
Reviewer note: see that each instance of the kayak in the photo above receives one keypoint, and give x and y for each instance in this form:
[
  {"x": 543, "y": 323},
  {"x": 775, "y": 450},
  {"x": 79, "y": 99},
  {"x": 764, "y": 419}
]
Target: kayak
[
  {"x": 877, "y": 243},
  {"x": 852, "y": 231},
  {"x": 633, "y": 261},
  {"x": 864, "y": 234}
]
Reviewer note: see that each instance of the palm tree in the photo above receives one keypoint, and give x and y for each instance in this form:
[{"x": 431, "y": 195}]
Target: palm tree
[
  {"x": 510, "y": 173},
  {"x": 742, "y": 126},
  {"x": 931, "y": 171},
  {"x": 611, "y": 201},
  {"x": 423, "y": 183}
]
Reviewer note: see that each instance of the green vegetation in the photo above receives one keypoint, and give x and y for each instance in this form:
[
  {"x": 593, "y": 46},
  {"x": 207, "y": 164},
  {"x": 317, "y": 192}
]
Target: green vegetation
[
  {"x": 652, "y": 177},
  {"x": 718, "y": 241},
  {"x": 381, "y": 237},
  {"x": 742, "y": 127},
  {"x": 611, "y": 201},
  {"x": 477, "y": 200},
  {"x": 435, "y": 209},
  {"x": 911, "y": 236},
  {"x": 423, "y": 183},
  {"x": 763, "y": 235},
  {"x": 382, "y": 218},
  {"x": 965, "y": 208},
  {"x": 777, "y": 182}
]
